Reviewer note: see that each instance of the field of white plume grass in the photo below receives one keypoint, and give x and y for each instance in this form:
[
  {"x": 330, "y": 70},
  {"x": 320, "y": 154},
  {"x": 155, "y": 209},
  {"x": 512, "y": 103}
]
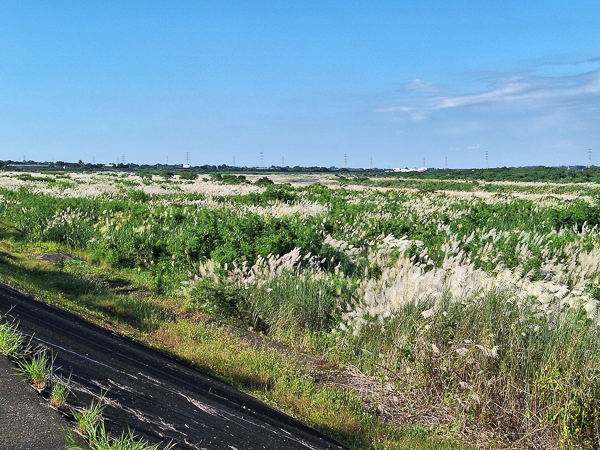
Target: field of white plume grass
[{"x": 477, "y": 303}]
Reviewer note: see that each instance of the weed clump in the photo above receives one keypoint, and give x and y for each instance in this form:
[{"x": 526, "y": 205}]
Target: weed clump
[
  {"x": 36, "y": 369},
  {"x": 12, "y": 343}
]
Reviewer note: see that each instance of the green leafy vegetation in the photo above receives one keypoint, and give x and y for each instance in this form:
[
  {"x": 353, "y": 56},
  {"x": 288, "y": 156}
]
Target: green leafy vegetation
[{"x": 474, "y": 302}]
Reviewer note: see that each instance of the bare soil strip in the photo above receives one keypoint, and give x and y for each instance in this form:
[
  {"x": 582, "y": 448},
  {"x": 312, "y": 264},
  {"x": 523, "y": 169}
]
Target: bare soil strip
[{"x": 159, "y": 398}]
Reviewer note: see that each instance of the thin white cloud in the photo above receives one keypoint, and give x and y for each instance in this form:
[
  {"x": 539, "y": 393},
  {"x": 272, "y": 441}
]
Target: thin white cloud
[
  {"x": 418, "y": 116},
  {"x": 473, "y": 147},
  {"x": 510, "y": 91},
  {"x": 395, "y": 109},
  {"x": 420, "y": 86}
]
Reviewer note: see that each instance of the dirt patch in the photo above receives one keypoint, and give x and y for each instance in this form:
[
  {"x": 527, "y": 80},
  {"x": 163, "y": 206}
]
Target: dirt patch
[{"x": 57, "y": 257}]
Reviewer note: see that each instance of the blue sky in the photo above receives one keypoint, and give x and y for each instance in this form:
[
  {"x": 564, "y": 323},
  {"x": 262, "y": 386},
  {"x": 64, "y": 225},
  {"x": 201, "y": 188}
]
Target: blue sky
[{"x": 306, "y": 81}]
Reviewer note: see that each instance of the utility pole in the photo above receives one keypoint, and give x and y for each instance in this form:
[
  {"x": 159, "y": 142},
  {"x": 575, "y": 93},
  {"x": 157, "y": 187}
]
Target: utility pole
[
  {"x": 486, "y": 165},
  {"x": 589, "y": 159}
]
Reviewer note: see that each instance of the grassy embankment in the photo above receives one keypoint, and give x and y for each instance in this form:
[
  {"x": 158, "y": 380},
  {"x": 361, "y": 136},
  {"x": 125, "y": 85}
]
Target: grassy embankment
[{"x": 119, "y": 299}]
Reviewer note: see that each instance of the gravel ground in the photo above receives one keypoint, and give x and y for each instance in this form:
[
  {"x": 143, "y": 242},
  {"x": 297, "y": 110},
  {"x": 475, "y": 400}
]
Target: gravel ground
[{"x": 26, "y": 421}]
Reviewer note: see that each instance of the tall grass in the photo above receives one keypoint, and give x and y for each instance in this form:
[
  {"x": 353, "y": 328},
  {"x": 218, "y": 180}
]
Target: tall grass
[
  {"x": 498, "y": 363},
  {"x": 302, "y": 301}
]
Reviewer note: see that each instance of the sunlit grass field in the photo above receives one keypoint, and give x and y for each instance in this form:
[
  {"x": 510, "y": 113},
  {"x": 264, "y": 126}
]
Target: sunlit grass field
[{"x": 435, "y": 318}]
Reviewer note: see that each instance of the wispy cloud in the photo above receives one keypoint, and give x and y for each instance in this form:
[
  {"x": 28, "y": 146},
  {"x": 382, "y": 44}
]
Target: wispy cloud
[
  {"x": 420, "y": 86},
  {"x": 395, "y": 109},
  {"x": 505, "y": 91}
]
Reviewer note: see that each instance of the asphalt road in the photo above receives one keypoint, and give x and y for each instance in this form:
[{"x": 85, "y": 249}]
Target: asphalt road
[{"x": 157, "y": 397}]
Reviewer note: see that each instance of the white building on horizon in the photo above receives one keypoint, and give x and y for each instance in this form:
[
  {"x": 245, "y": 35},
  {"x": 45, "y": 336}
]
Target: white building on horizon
[{"x": 406, "y": 169}]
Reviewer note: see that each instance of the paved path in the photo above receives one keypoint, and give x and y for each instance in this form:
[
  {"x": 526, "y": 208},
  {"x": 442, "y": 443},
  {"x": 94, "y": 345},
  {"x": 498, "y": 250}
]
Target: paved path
[
  {"x": 26, "y": 422},
  {"x": 157, "y": 397}
]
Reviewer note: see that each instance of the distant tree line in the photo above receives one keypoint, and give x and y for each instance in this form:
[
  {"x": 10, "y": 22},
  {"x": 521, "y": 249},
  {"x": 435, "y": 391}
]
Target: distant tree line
[{"x": 572, "y": 174}]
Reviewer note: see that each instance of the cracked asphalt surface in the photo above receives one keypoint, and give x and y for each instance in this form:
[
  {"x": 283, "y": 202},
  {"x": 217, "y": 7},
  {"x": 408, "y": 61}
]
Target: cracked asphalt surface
[{"x": 158, "y": 397}]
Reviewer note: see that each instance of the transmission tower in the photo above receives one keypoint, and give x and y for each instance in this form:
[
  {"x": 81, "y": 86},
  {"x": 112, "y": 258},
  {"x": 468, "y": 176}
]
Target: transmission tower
[
  {"x": 122, "y": 159},
  {"x": 345, "y": 161},
  {"x": 485, "y": 164},
  {"x": 234, "y": 161},
  {"x": 282, "y": 161},
  {"x": 187, "y": 158},
  {"x": 589, "y": 159},
  {"x": 261, "y": 159},
  {"x": 446, "y": 163},
  {"x": 423, "y": 161},
  {"x": 371, "y": 165}
]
